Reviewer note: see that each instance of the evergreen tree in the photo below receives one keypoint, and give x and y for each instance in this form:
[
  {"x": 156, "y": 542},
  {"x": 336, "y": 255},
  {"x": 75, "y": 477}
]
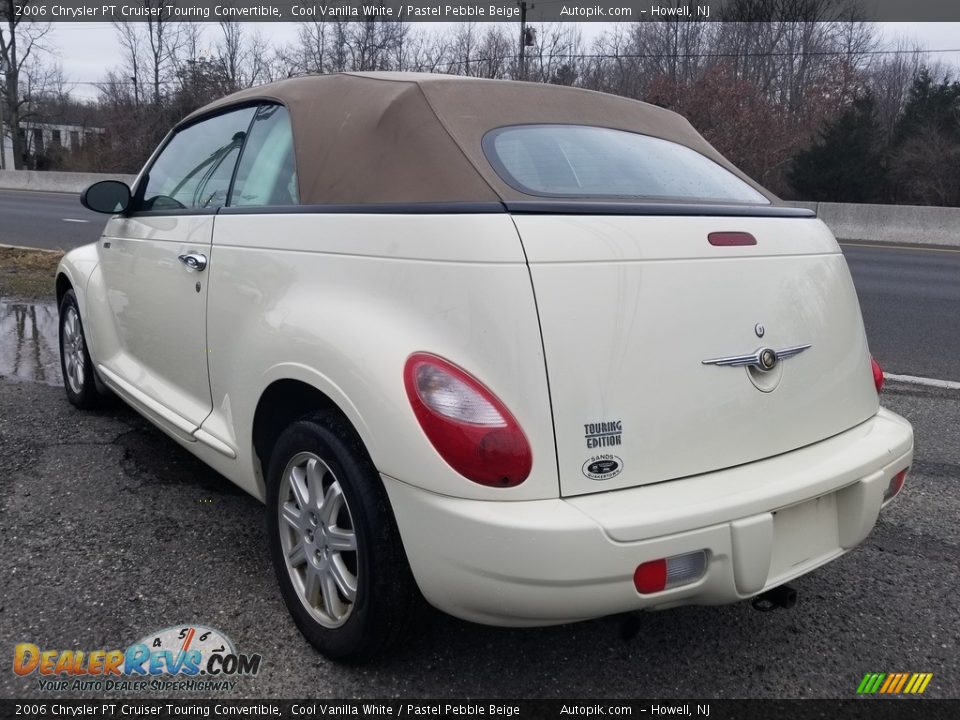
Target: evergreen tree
[
  {"x": 932, "y": 105},
  {"x": 846, "y": 164},
  {"x": 925, "y": 161}
]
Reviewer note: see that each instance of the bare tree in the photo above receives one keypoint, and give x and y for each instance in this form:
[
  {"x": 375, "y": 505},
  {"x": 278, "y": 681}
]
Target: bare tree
[
  {"x": 262, "y": 61},
  {"x": 555, "y": 55},
  {"x": 338, "y": 46},
  {"x": 927, "y": 168},
  {"x": 462, "y": 51},
  {"x": 419, "y": 50},
  {"x": 20, "y": 45},
  {"x": 130, "y": 40},
  {"x": 890, "y": 79},
  {"x": 310, "y": 53},
  {"x": 232, "y": 54},
  {"x": 161, "y": 46}
]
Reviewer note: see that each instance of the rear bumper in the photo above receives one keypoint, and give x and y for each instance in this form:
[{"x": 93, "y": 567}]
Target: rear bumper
[{"x": 554, "y": 561}]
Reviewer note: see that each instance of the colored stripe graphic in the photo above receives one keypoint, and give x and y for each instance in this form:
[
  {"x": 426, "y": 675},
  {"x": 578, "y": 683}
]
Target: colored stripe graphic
[
  {"x": 891, "y": 680},
  {"x": 870, "y": 683},
  {"x": 903, "y": 681},
  {"x": 894, "y": 683}
]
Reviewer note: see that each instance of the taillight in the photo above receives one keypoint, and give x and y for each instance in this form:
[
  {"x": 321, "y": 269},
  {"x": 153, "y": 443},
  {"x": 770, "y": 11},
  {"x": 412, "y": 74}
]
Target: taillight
[
  {"x": 877, "y": 375},
  {"x": 466, "y": 423},
  {"x": 895, "y": 486},
  {"x": 729, "y": 239},
  {"x": 665, "y": 573}
]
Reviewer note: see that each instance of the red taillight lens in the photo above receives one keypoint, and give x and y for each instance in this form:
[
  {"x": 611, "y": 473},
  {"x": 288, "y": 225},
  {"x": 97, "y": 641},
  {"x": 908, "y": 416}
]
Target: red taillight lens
[
  {"x": 671, "y": 572},
  {"x": 877, "y": 374},
  {"x": 651, "y": 577},
  {"x": 466, "y": 423},
  {"x": 895, "y": 486},
  {"x": 730, "y": 239}
]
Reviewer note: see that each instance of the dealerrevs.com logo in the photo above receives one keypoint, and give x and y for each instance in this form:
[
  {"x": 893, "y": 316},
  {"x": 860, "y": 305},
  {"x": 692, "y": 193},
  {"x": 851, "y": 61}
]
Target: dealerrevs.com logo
[{"x": 184, "y": 657}]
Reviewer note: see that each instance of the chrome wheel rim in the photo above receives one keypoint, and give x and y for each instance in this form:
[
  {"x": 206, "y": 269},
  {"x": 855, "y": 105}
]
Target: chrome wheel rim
[
  {"x": 71, "y": 345},
  {"x": 318, "y": 540}
]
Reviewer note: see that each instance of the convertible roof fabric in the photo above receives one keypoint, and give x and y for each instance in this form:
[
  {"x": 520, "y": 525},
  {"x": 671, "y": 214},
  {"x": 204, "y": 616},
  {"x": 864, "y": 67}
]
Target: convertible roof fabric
[{"x": 416, "y": 137}]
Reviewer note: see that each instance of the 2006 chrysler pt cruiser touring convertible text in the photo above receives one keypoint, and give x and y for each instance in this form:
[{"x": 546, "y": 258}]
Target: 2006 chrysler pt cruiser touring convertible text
[{"x": 536, "y": 353}]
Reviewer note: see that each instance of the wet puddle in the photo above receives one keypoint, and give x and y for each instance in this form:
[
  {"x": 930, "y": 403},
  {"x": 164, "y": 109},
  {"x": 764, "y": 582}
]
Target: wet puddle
[{"x": 29, "y": 347}]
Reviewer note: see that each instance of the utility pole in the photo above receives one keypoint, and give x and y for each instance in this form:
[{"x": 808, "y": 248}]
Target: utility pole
[{"x": 526, "y": 40}]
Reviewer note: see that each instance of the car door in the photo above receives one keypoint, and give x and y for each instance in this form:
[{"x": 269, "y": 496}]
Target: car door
[
  {"x": 155, "y": 261},
  {"x": 247, "y": 277}
]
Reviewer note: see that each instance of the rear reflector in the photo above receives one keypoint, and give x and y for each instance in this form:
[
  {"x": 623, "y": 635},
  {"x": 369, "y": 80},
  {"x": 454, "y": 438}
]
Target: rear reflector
[
  {"x": 877, "y": 375},
  {"x": 728, "y": 239},
  {"x": 895, "y": 486},
  {"x": 656, "y": 575}
]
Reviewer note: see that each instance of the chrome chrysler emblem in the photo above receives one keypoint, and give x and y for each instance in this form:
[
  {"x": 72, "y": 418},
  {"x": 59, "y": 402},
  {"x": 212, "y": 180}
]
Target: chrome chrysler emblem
[{"x": 765, "y": 359}]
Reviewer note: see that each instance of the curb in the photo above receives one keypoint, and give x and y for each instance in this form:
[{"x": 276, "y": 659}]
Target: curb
[{"x": 4, "y": 246}]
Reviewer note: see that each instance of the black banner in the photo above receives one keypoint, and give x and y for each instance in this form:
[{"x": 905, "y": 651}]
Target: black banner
[
  {"x": 868, "y": 709},
  {"x": 486, "y": 11}
]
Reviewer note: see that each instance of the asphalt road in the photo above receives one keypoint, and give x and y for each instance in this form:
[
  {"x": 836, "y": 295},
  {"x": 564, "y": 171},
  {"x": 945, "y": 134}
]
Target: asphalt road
[
  {"x": 910, "y": 299},
  {"x": 54, "y": 221},
  {"x": 111, "y": 531},
  {"x": 909, "y": 295}
]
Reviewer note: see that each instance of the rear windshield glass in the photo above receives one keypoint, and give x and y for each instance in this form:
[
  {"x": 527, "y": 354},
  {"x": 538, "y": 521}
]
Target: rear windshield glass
[{"x": 582, "y": 161}]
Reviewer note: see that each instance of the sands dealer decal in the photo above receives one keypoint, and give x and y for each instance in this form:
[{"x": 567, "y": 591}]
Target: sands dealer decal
[{"x": 602, "y": 467}]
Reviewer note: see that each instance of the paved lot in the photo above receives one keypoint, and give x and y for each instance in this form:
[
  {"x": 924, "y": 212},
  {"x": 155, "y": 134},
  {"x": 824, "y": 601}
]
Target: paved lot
[{"x": 111, "y": 531}]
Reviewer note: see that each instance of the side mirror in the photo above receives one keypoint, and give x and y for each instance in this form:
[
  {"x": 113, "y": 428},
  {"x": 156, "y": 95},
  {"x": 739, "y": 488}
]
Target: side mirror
[{"x": 107, "y": 196}]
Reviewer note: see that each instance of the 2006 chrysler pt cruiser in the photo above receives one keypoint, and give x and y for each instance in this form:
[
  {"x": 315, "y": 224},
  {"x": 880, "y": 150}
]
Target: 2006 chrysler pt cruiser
[{"x": 536, "y": 353}]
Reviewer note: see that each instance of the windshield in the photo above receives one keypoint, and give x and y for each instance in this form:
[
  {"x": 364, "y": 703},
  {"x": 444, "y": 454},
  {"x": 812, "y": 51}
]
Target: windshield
[{"x": 593, "y": 162}]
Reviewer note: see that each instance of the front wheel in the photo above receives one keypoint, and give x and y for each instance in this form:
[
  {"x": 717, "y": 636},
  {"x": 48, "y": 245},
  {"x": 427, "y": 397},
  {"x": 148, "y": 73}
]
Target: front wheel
[
  {"x": 334, "y": 542},
  {"x": 75, "y": 363}
]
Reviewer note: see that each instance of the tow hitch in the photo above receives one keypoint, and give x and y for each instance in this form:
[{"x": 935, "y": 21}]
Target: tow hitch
[{"x": 782, "y": 596}]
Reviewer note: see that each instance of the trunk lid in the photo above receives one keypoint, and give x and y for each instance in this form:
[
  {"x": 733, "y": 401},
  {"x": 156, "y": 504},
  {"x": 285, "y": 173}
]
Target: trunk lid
[{"x": 630, "y": 307}]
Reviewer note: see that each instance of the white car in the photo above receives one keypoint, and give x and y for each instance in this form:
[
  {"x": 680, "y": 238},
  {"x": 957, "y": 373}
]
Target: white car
[{"x": 536, "y": 353}]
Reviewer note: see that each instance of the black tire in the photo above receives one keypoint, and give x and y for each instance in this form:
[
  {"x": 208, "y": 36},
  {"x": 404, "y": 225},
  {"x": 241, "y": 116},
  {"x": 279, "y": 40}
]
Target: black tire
[
  {"x": 78, "y": 374},
  {"x": 386, "y": 594}
]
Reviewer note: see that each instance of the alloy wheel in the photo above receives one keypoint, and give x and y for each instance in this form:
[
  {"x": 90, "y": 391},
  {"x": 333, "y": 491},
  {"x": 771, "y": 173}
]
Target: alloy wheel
[
  {"x": 318, "y": 540},
  {"x": 73, "y": 350}
]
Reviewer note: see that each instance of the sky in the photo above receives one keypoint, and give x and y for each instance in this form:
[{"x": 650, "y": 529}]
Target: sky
[{"x": 88, "y": 50}]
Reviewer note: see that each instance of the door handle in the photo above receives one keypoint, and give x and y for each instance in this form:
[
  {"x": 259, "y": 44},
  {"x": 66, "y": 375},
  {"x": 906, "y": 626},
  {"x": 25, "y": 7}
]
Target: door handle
[{"x": 194, "y": 261}]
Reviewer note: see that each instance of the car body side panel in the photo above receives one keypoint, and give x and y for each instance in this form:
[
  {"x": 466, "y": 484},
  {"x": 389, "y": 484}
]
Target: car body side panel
[
  {"x": 78, "y": 266},
  {"x": 340, "y": 301},
  {"x": 149, "y": 311}
]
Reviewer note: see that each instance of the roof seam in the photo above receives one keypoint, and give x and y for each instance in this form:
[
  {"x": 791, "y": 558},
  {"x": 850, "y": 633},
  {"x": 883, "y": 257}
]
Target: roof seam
[
  {"x": 456, "y": 144},
  {"x": 366, "y": 76}
]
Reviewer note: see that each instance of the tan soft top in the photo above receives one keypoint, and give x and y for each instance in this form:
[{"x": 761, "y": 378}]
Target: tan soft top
[{"x": 416, "y": 137}]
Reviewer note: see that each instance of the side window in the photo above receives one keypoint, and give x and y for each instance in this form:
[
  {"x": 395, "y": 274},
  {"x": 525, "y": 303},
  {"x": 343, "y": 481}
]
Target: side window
[
  {"x": 194, "y": 169},
  {"x": 267, "y": 174}
]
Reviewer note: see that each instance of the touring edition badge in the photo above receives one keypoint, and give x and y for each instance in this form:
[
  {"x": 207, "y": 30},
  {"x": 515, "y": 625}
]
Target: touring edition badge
[{"x": 602, "y": 467}]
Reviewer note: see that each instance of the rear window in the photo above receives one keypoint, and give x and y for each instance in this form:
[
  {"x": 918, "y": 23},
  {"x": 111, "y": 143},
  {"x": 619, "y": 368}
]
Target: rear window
[{"x": 579, "y": 161}]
